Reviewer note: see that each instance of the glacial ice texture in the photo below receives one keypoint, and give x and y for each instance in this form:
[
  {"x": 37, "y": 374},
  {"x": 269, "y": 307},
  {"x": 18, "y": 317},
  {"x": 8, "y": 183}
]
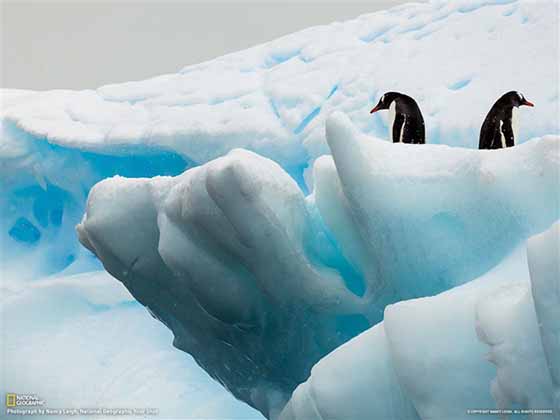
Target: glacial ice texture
[
  {"x": 82, "y": 341},
  {"x": 340, "y": 229},
  {"x": 272, "y": 99},
  {"x": 430, "y": 357},
  {"x": 239, "y": 264}
]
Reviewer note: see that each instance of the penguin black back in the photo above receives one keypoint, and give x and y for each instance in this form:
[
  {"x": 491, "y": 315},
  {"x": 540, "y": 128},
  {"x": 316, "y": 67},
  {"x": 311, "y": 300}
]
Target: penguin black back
[
  {"x": 408, "y": 123},
  {"x": 497, "y": 129}
]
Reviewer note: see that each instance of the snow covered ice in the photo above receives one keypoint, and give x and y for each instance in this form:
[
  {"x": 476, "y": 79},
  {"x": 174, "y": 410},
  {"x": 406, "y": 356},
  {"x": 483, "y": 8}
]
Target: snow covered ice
[
  {"x": 226, "y": 254},
  {"x": 311, "y": 268},
  {"x": 429, "y": 358},
  {"x": 82, "y": 341}
]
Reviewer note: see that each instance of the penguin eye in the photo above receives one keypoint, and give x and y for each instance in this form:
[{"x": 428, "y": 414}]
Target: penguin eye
[
  {"x": 382, "y": 99},
  {"x": 520, "y": 96}
]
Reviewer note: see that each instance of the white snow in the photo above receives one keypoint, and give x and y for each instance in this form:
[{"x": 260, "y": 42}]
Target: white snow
[
  {"x": 219, "y": 254},
  {"x": 264, "y": 261},
  {"x": 428, "y": 359},
  {"x": 455, "y": 58},
  {"x": 410, "y": 220},
  {"x": 429, "y": 218},
  {"x": 82, "y": 341}
]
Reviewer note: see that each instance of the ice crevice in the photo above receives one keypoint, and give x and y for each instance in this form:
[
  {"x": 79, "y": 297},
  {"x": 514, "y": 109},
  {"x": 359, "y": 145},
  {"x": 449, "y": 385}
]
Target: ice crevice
[{"x": 230, "y": 256}]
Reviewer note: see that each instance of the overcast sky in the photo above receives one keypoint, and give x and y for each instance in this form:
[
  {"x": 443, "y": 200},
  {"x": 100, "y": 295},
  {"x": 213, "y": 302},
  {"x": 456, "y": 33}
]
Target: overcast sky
[{"x": 85, "y": 44}]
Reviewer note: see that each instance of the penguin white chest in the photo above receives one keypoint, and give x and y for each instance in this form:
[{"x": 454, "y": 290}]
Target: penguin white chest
[
  {"x": 502, "y": 137},
  {"x": 514, "y": 128},
  {"x": 515, "y": 123},
  {"x": 392, "y": 116}
]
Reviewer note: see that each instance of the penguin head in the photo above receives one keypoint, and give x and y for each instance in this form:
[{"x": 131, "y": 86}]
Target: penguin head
[
  {"x": 515, "y": 99},
  {"x": 385, "y": 101}
]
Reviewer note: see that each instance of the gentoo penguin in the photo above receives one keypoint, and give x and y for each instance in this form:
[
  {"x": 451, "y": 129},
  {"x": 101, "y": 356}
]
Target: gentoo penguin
[
  {"x": 406, "y": 122},
  {"x": 497, "y": 130}
]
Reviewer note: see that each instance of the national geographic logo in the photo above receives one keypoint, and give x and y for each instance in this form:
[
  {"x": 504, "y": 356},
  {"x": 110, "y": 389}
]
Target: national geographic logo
[
  {"x": 10, "y": 400},
  {"x": 23, "y": 400}
]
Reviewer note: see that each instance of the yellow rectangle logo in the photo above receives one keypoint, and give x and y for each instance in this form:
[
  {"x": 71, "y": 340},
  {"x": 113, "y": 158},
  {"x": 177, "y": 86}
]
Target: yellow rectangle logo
[{"x": 10, "y": 400}]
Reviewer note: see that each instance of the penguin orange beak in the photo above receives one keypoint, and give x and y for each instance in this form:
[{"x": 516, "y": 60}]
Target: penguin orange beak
[
  {"x": 374, "y": 109},
  {"x": 526, "y": 102}
]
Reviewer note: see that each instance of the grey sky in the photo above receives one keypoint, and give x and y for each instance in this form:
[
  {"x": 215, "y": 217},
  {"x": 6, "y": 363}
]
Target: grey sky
[{"x": 85, "y": 44}]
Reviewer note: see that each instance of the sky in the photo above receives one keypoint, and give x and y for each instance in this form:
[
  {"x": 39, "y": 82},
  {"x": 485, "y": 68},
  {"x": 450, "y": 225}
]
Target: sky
[{"x": 86, "y": 44}]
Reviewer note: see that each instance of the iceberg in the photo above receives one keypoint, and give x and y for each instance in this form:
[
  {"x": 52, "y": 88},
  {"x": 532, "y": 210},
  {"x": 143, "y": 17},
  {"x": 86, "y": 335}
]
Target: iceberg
[
  {"x": 429, "y": 358},
  {"x": 82, "y": 341},
  {"x": 455, "y": 57},
  {"x": 297, "y": 260},
  {"x": 544, "y": 266},
  {"x": 238, "y": 264},
  {"x": 272, "y": 99},
  {"x": 219, "y": 255}
]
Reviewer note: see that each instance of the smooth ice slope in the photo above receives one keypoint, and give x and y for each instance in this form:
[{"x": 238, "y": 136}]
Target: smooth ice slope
[
  {"x": 429, "y": 358},
  {"x": 82, "y": 341},
  {"x": 258, "y": 283}
]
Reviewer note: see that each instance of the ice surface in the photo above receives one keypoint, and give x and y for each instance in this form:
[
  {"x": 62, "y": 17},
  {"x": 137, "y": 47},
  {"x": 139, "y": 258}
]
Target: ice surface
[
  {"x": 82, "y": 341},
  {"x": 273, "y": 98},
  {"x": 317, "y": 247},
  {"x": 428, "y": 359},
  {"x": 219, "y": 254},
  {"x": 255, "y": 281},
  {"x": 419, "y": 220},
  {"x": 520, "y": 323},
  {"x": 43, "y": 192},
  {"x": 544, "y": 265}
]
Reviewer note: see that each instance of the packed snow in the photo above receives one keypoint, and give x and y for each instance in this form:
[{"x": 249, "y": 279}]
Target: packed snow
[{"x": 257, "y": 209}]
